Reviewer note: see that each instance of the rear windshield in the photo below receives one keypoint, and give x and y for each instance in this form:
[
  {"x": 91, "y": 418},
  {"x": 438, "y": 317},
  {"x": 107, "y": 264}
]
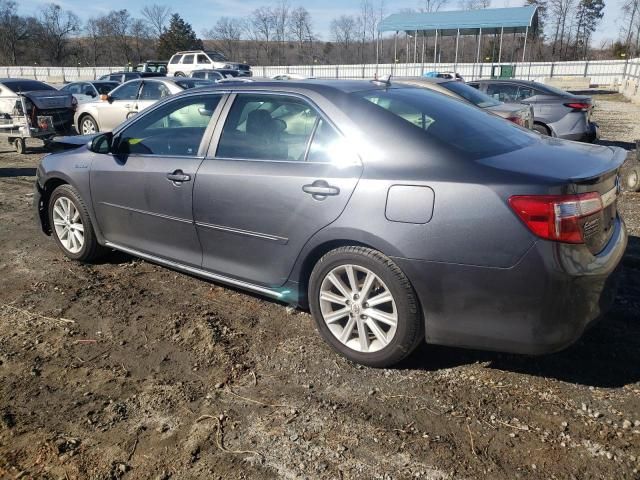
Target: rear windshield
[
  {"x": 452, "y": 123},
  {"x": 474, "y": 96},
  {"x": 194, "y": 83},
  {"x": 27, "y": 86}
]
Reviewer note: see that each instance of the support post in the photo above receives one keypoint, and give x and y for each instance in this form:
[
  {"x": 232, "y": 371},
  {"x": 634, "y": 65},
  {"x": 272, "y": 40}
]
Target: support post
[
  {"x": 500, "y": 49},
  {"x": 455, "y": 63},
  {"x": 408, "y": 58},
  {"x": 524, "y": 47},
  {"x": 478, "y": 52},
  {"x": 395, "y": 48},
  {"x": 377, "y": 54},
  {"x": 424, "y": 45},
  {"x": 415, "y": 46},
  {"x": 435, "y": 50}
]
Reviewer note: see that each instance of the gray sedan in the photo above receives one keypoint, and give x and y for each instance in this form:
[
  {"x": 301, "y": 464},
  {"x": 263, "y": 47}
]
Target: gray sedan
[{"x": 394, "y": 213}]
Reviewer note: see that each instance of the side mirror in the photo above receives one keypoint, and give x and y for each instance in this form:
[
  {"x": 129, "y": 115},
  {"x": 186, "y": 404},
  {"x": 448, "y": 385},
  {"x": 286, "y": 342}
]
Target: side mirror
[{"x": 102, "y": 143}]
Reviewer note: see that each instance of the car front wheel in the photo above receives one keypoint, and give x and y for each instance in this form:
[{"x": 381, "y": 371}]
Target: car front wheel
[
  {"x": 364, "y": 306},
  {"x": 71, "y": 225},
  {"x": 88, "y": 125}
]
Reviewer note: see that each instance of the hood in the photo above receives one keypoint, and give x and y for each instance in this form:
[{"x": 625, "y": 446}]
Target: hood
[
  {"x": 49, "y": 99},
  {"x": 75, "y": 140}
]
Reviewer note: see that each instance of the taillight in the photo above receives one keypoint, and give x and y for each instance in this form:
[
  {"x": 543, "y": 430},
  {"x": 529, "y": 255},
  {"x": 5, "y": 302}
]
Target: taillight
[
  {"x": 517, "y": 120},
  {"x": 583, "y": 107},
  {"x": 555, "y": 217}
]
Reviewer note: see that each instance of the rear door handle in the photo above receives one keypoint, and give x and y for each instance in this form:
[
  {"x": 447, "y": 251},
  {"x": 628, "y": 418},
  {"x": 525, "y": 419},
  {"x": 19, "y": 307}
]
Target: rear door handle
[
  {"x": 320, "y": 189},
  {"x": 178, "y": 176}
]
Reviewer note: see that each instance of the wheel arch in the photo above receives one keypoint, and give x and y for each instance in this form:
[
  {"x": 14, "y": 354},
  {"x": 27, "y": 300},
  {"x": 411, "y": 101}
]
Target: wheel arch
[
  {"x": 82, "y": 116},
  {"x": 43, "y": 204}
]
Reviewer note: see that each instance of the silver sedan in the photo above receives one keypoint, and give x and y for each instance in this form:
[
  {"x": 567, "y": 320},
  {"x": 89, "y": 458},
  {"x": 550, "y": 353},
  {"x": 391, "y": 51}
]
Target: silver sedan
[{"x": 128, "y": 99}]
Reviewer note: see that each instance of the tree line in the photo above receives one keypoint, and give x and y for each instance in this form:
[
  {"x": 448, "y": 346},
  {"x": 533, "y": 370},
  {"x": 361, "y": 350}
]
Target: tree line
[{"x": 283, "y": 34}]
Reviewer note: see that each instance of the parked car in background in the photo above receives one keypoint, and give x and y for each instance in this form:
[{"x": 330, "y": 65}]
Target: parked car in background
[
  {"x": 218, "y": 74},
  {"x": 518, "y": 113},
  {"x": 555, "y": 112},
  {"x": 291, "y": 76},
  {"x": 393, "y": 213},
  {"x": 29, "y": 108},
  {"x": 127, "y": 100},
  {"x": 88, "y": 91},
  {"x": 121, "y": 77},
  {"x": 183, "y": 63},
  {"x": 448, "y": 75},
  {"x": 154, "y": 66}
]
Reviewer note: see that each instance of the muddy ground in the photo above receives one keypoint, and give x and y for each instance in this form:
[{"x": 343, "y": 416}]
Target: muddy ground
[{"x": 128, "y": 370}]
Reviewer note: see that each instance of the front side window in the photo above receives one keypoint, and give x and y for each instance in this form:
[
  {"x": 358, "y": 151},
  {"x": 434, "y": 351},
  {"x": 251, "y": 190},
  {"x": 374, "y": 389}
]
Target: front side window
[
  {"x": 203, "y": 59},
  {"x": 105, "y": 87},
  {"x": 188, "y": 59},
  {"x": 154, "y": 91},
  {"x": 127, "y": 91},
  {"x": 175, "y": 129},
  {"x": 503, "y": 91},
  {"x": 267, "y": 127},
  {"x": 447, "y": 122}
]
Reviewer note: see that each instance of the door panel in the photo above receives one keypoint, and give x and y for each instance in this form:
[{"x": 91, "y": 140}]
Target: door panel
[
  {"x": 253, "y": 217},
  {"x": 143, "y": 195}
]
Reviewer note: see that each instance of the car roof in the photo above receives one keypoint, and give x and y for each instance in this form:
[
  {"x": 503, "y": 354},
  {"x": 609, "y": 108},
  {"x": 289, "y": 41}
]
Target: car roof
[{"x": 16, "y": 80}]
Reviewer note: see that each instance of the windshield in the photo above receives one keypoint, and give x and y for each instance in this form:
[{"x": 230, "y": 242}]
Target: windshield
[
  {"x": 474, "y": 96},
  {"x": 27, "y": 86},
  {"x": 217, "y": 56},
  {"x": 194, "y": 83},
  {"x": 451, "y": 123}
]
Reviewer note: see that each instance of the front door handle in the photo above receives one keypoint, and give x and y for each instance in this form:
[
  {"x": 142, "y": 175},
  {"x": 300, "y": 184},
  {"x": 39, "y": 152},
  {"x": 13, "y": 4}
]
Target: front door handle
[
  {"x": 320, "y": 189},
  {"x": 178, "y": 176}
]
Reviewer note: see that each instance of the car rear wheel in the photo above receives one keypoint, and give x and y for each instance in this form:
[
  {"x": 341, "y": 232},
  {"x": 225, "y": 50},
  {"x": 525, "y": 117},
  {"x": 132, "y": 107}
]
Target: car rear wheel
[
  {"x": 180, "y": 74},
  {"x": 364, "y": 306},
  {"x": 71, "y": 225},
  {"x": 19, "y": 145},
  {"x": 541, "y": 129},
  {"x": 88, "y": 125}
]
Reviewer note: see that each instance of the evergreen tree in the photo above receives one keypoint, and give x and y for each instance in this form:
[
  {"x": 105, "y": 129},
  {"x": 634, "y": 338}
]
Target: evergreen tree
[{"x": 179, "y": 36}]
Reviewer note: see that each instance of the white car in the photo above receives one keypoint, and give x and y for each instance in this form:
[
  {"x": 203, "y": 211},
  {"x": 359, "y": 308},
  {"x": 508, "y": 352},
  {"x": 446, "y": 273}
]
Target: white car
[
  {"x": 127, "y": 100},
  {"x": 89, "y": 91},
  {"x": 183, "y": 63}
]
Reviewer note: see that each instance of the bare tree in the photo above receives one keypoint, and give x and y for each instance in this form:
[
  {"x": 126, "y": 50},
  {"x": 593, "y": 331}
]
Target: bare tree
[
  {"x": 344, "y": 30},
  {"x": 227, "y": 34},
  {"x": 140, "y": 34},
  {"x": 281, "y": 26},
  {"x": 474, "y": 4},
  {"x": 157, "y": 17},
  {"x": 13, "y": 30},
  {"x": 57, "y": 27},
  {"x": 432, "y": 5},
  {"x": 262, "y": 29},
  {"x": 300, "y": 29}
]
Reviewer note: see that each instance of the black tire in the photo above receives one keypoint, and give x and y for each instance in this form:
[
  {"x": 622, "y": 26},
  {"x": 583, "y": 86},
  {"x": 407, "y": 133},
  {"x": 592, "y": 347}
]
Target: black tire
[
  {"x": 179, "y": 74},
  {"x": 19, "y": 145},
  {"x": 631, "y": 179},
  {"x": 410, "y": 327},
  {"x": 88, "y": 120},
  {"x": 91, "y": 249},
  {"x": 541, "y": 129}
]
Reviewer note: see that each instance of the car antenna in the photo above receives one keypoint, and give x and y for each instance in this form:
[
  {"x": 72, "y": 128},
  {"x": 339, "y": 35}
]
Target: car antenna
[{"x": 386, "y": 83}]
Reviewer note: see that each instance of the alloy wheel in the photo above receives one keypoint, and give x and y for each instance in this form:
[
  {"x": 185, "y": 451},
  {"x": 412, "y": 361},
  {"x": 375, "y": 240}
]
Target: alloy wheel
[
  {"x": 88, "y": 127},
  {"x": 358, "y": 308},
  {"x": 68, "y": 224}
]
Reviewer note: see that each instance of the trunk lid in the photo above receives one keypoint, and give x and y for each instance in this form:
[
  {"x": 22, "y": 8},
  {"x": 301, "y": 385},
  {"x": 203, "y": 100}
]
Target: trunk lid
[{"x": 49, "y": 99}]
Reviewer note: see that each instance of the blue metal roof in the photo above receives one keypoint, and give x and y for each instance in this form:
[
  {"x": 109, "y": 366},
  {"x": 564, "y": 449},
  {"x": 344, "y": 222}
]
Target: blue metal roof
[{"x": 514, "y": 19}]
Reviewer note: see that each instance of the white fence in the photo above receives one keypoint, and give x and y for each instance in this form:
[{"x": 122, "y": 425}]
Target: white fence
[
  {"x": 630, "y": 85},
  {"x": 601, "y": 72}
]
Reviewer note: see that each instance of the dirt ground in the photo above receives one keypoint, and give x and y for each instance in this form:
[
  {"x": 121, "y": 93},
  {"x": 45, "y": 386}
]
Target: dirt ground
[{"x": 129, "y": 370}]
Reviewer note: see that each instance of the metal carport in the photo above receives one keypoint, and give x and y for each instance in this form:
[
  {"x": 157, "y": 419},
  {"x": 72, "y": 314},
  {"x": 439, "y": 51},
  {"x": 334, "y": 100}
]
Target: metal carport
[{"x": 459, "y": 22}]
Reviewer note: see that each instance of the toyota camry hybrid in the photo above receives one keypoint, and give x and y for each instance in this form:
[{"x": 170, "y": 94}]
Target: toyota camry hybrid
[{"x": 395, "y": 214}]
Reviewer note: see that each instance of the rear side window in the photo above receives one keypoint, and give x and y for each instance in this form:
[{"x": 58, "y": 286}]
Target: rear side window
[
  {"x": 470, "y": 94},
  {"x": 188, "y": 59},
  {"x": 73, "y": 88},
  {"x": 174, "y": 129},
  {"x": 175, "y": 59},
  {"x": 267, "y": 127},
  {"x": 203, "y": 59},
  {"x": 447, "y": 122},
  {"x": 503, "y": 91},
  {"x": 154, "y": 91},
  {"x": 198, "y": 75}
]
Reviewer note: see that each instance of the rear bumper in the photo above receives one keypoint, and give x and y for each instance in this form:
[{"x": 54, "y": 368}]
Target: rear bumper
[
  {"x": 591, "y": 134},
  {"x": 541, "y": 305}
]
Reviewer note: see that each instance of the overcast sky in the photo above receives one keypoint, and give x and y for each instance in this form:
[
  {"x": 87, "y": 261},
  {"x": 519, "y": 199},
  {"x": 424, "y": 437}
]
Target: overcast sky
[{"x": 202, "y": 14}]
